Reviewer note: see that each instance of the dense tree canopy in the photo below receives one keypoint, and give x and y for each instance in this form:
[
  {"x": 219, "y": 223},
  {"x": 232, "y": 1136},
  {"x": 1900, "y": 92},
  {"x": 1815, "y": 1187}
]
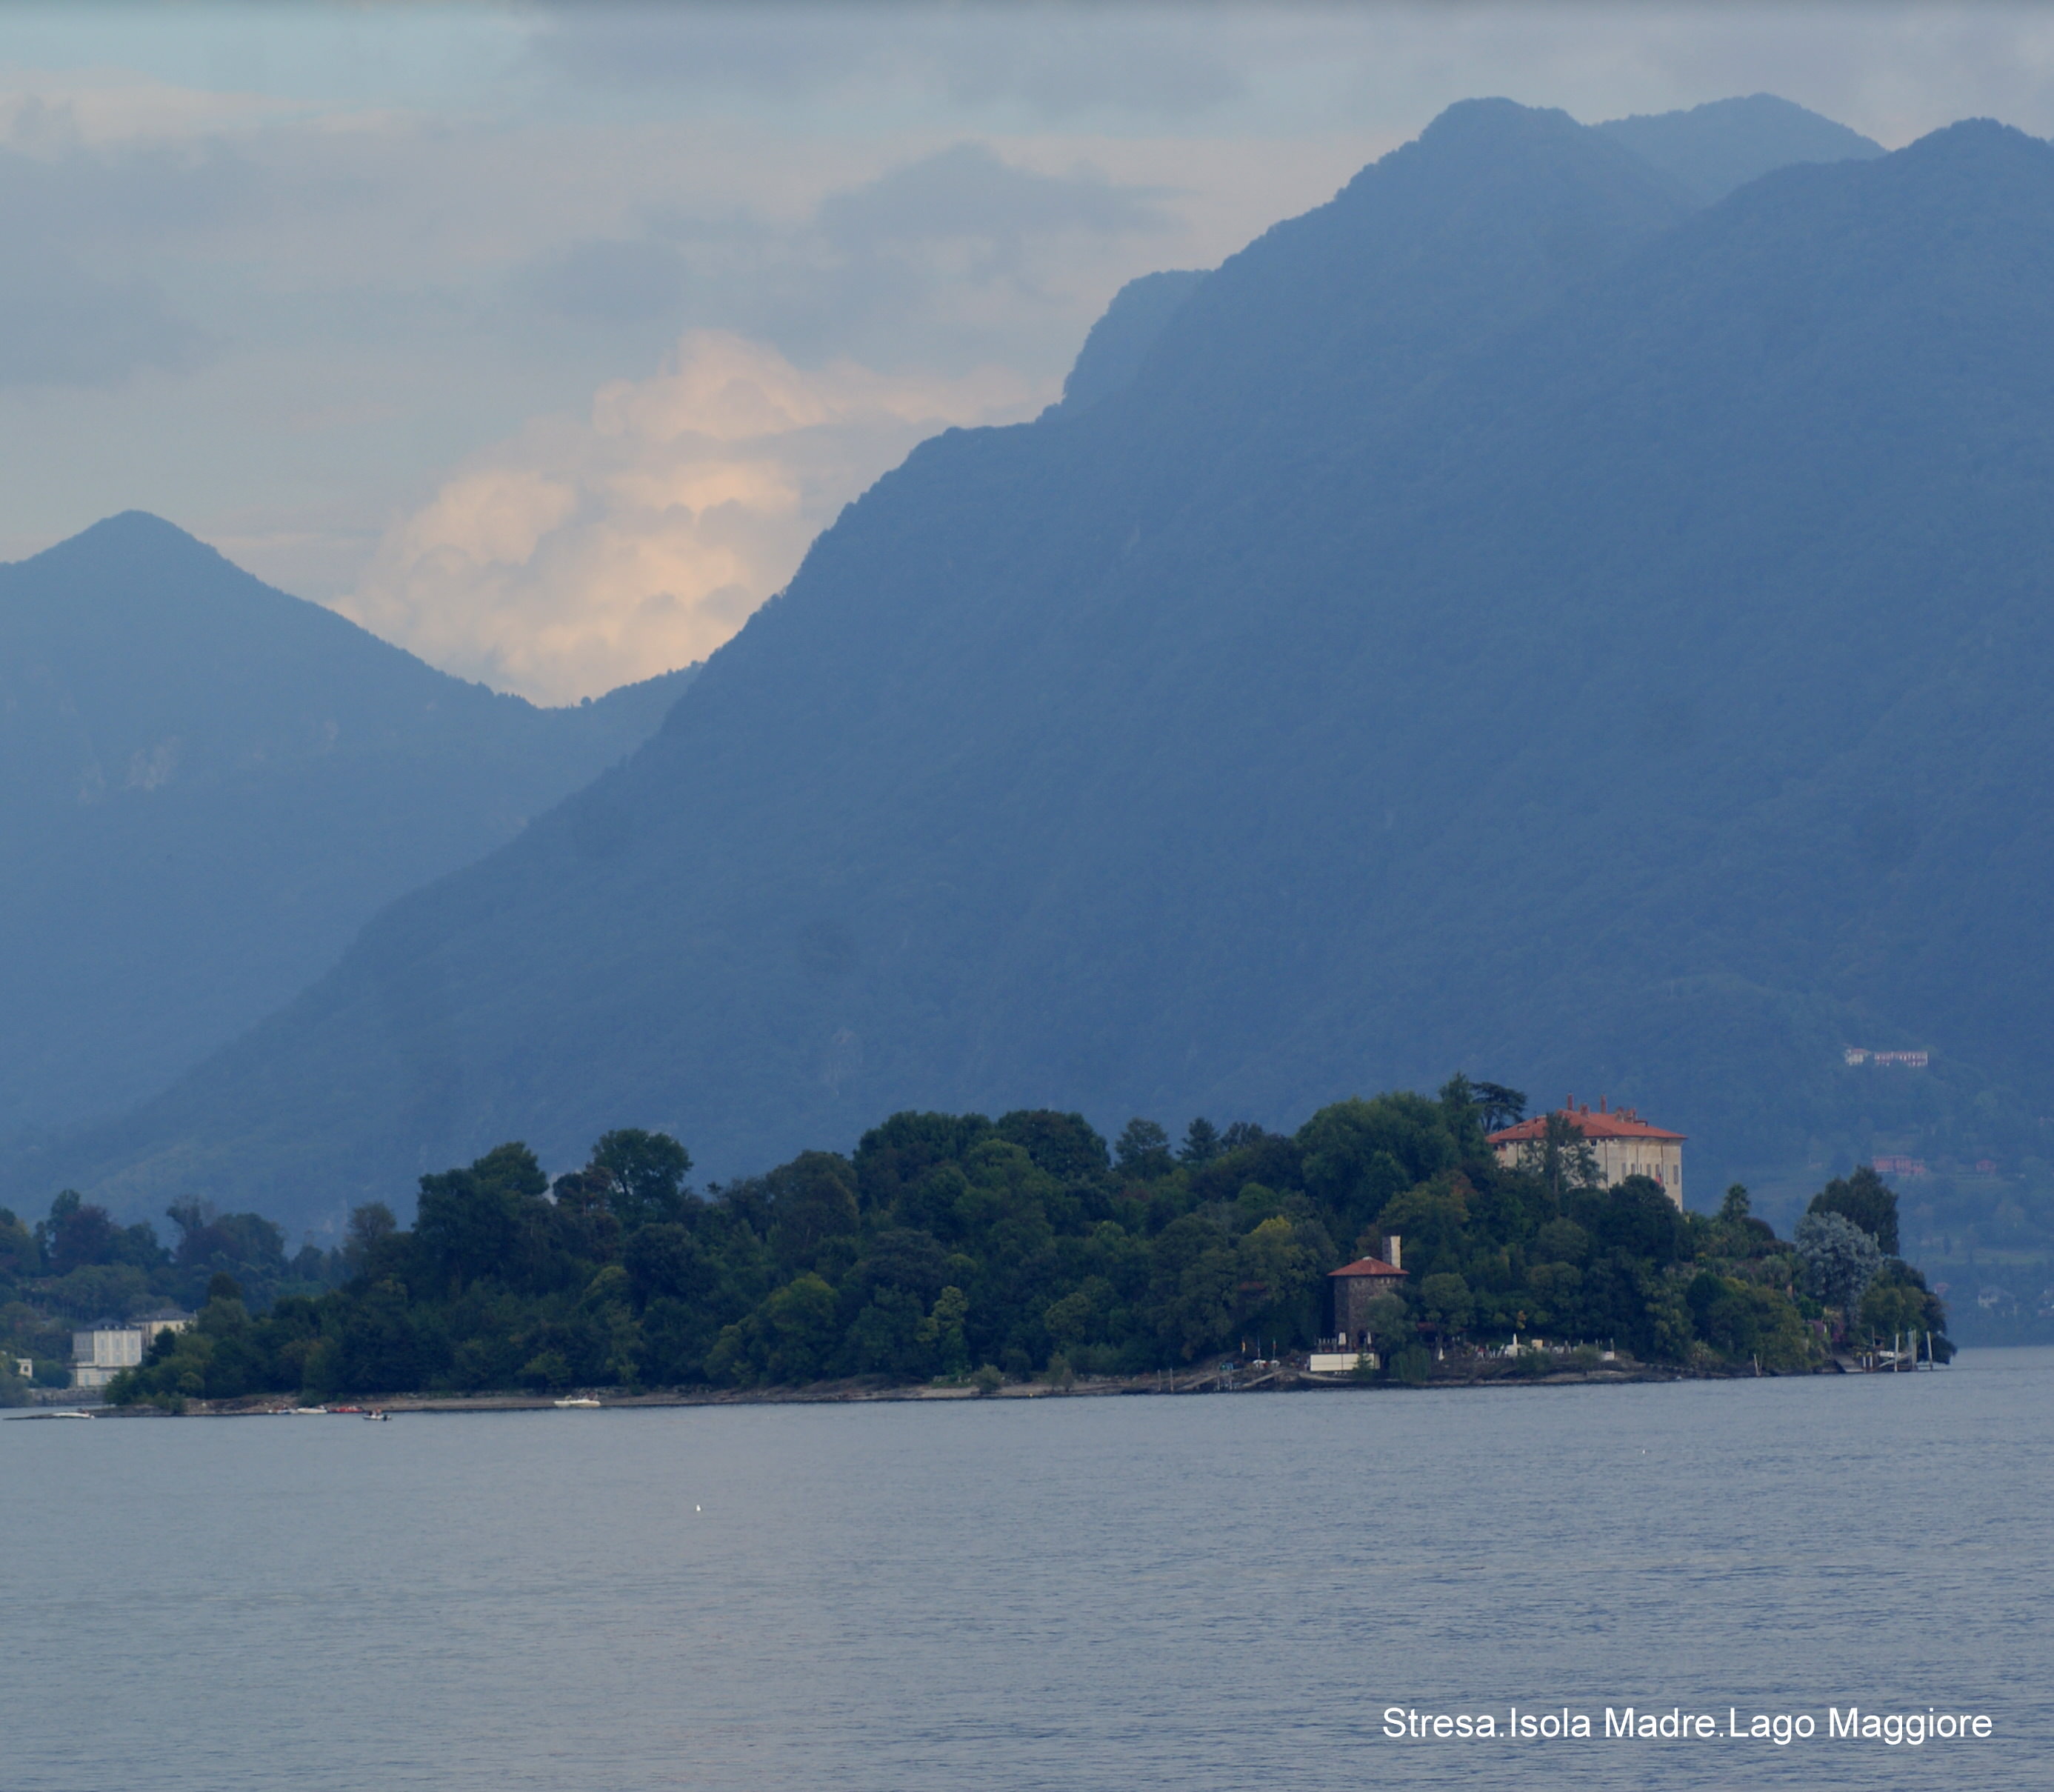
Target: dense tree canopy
[{"x": 948, "y": 1244}]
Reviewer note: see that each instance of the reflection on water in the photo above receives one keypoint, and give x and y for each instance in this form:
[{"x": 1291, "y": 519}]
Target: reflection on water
[{"x": 1205, "y": 1593}]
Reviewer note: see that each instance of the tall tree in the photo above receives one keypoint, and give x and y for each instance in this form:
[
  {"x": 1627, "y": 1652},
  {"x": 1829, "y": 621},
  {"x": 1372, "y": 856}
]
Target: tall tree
[
  {"x": 645, "y": 1175},
  {"x": 1562, "y": 1157},
  {"x": 1840, "y": 1259},
  {"x": 1142, "y": 1150},
  {"x": 1866, "y": 1200},
  {"x": 1502, "y": 1107}
]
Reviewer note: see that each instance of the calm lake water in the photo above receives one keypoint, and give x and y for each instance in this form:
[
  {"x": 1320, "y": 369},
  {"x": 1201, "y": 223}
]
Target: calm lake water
[{"x": 1204, "y": 1593}]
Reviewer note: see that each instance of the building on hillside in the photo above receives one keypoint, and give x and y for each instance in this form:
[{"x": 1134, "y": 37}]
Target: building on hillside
[
  {"x": 1625, "y": 1144},
  {"x": 1353, "y": 1286}
]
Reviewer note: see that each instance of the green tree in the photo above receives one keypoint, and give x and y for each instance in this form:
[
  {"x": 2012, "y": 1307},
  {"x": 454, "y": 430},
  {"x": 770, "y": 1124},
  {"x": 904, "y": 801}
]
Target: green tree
[
  {"x": 1447, "y": 1303},
  {"x": 890, "y": 1337},
  {"x": 1736, "y": 1206},
  {"x": 668, "y": 1260},
  {"x": 1433, "y": 1219},
  {"x": 79, "y": 1235},
  {"x": 1561, "y": 1241},
  {"x": 1840, "y": 1259},
  {"x": 1561, "y": 1157},
  {"x": 1636, "y": 1219},
  {"x": 1063, "y": 1145},
  {"x": 812, "y": 1200},
  {"x": 18, "y": 1256},
  {"x": 791, "y": 1337},
  {"x": 1082, "y": 1317},
  {"x": 1897, "y": 1301},
  {"x": 1202, "y": 1143},
  {"x": 1389, "y": 1322},
  {"x": 1462, "y": 1110},
  {"x": 1866, "y": 1200},
  {"x": 1141, "y": 1151},
  {"x": 470, "y": 1222},
  {"x": 607, "y": 1309},
  {"x": 941, "y": 1332},
  {"x": 1358, "y": 1154},
  {"x": 372, "y": 1226},
  {"x": 643, "y": 1175},
  {"x": 1502, "y": 1107}
]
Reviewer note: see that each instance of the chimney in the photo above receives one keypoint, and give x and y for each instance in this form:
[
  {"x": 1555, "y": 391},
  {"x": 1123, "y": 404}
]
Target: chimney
[
  {"x": 1601, "y": 1104},
  {"x": 1394, "y": 1251}
]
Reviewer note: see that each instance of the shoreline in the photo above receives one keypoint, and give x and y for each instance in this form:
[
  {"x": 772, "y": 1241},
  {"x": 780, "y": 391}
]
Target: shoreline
[{"x": 1286, "y": 1379}]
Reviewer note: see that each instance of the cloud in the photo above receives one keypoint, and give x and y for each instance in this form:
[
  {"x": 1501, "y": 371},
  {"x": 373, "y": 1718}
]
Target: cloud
[
  {"x": 1054, "y": 60},
  {"x": 936, "y": 259},
  {"x": 62, "y": 325},
  {"x": 343, "y": 248},
  {"x": 586, "y": 553},
  {"x": 966, "y": 192},
  {"x": 48, "y": 114}
]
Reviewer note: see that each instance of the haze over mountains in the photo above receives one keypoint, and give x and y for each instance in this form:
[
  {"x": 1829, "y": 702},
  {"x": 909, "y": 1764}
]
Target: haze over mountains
[
  {"x": 206, "y": 787},
  {"x": 1517, "y": 617}
]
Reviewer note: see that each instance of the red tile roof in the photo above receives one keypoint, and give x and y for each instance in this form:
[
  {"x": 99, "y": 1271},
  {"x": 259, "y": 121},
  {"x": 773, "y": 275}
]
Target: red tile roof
[
  {"x": 1367, "y": 1265},
  {"x": 1624, "y": 1124}
]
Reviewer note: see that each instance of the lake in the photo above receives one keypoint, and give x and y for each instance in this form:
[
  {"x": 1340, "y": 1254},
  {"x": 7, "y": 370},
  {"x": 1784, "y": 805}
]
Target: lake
[{"x": 1212, "y": 1591}]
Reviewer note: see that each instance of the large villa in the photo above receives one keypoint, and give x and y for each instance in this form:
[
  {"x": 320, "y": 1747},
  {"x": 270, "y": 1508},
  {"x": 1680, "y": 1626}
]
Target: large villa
[{"x": 1626, "y": 1145}]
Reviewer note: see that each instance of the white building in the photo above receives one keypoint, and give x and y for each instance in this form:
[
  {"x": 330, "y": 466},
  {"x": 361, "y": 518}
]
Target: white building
[
  {"x": 101, "y": 1352},
  {"x": 1623, "y": 1144}
]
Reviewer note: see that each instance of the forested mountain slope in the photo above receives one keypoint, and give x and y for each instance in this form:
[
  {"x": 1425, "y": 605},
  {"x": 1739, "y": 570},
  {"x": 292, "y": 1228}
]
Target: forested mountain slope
[
  {"x": 1511, "y": 618},
  {"x": 207, "y": 787}
]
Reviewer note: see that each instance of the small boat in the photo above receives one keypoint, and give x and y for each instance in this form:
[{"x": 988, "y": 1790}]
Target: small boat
[
  {"x": 308, "y": 1411},
  {"x": 377, "y": 1413},
  {"x": 579, "y": 1399},
  {"x": 49, "y": 1416}
]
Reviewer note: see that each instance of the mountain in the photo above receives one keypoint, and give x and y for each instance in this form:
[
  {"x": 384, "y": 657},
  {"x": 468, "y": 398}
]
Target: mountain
[
  {"x": 1714, "y": 148},
  {"x": 1119, "y": 341},
  {"x": 206, "y": 787},
  {"x": 1512, "y": 618}
]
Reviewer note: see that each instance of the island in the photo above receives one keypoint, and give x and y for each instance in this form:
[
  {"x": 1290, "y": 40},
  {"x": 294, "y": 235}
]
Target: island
[{"x": 958, "y": 1254}]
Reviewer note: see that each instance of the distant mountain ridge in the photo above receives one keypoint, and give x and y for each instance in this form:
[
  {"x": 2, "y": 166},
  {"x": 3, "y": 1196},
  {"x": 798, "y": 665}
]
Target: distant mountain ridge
[
  {"x": 1513, "y": 617},
  {"x": 207, "y": 787},
  {"x": 1716, "y": 148}
]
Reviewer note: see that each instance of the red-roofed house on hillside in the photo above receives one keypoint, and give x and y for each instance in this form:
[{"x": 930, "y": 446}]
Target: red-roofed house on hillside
[{"x": 1626, "y": 1145}]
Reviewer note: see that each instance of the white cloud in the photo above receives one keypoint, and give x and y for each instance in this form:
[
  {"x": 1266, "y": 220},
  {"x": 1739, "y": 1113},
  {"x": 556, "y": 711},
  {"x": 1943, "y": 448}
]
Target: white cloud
[
  {"x": 585, "y": 553},
  {"x": 42, "y": 113}
]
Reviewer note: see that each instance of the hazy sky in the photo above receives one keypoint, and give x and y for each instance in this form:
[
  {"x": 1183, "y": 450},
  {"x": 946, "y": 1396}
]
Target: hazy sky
[{"x": 542, "y": 340}]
